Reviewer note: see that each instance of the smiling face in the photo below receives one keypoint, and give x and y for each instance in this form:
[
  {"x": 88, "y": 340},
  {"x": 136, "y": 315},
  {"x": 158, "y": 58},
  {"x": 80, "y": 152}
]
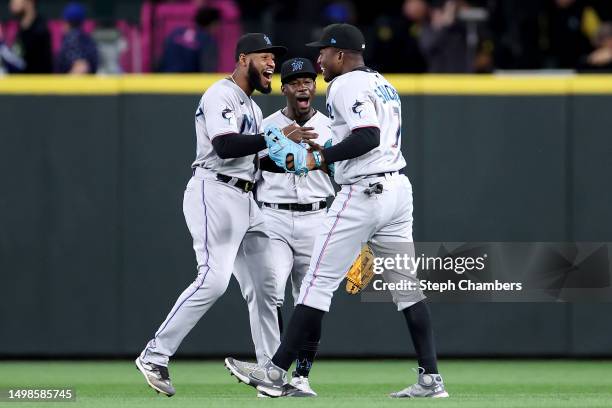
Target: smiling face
[
  {"x": 260, "y": 70},
  {"x": 299, "y": 93},
  {"x": 330, "y": 60}
]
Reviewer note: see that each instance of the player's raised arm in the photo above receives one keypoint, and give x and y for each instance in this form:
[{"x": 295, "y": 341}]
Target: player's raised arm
[
  {"x": 233, "y": 145},
  {"x": 358, "y": 143}
]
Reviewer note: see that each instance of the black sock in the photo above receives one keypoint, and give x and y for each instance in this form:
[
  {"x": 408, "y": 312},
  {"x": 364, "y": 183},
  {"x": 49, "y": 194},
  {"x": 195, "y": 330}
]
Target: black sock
[
  {"x": 419, "y": 323},
  {"x": 279, "y": 313},
  {"x": 305, "y": 324},
  {"x": 306, "y": 355}
]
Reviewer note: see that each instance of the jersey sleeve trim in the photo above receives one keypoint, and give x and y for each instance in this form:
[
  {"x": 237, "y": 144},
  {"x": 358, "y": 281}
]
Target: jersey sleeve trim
[{"x": 365, "y": 126}]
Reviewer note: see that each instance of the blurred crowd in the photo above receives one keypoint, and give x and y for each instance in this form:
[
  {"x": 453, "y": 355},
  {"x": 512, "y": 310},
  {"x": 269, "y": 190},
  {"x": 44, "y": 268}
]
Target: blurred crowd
[
  {"x": 404, "y": 36},
  {"x": 31, "y": 52},
  {"x": 462, "y": 36}
]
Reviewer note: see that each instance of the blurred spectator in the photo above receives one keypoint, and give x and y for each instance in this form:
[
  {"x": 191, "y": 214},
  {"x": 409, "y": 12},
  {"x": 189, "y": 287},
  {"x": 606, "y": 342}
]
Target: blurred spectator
[
  {"x": 516, "y": 31},
  {"x": 78, "y": 54},
  {"x": 327, "y": 12},
  {"x": 444, "y": 40},
  {"x": 566, "y": 39},
  {"x": 33, "y": 42},
  {"x": 193, "y": 49},
  {"x": 395, "y": 43},
  {"x": 600, "y": 60},
  {"x": 9, "y": 61},
  {"x": 339, "y": 12}
]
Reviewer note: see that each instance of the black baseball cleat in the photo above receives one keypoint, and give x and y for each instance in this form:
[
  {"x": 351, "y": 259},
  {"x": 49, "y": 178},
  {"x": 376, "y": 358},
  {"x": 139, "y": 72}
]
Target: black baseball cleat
[{"x": 157, "y": 377}]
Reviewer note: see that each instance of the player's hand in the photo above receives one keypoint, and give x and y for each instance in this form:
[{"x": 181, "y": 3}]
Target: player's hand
[
  {"x": 311, "y": 163},
  {"x": 314, "y": 146},
  {"x": 297, "y": 134}
]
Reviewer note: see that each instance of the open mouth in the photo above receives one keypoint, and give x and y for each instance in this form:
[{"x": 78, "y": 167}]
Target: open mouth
[
  {"x": 303, "y": 102},
  {"x": 267, "y": 74}
]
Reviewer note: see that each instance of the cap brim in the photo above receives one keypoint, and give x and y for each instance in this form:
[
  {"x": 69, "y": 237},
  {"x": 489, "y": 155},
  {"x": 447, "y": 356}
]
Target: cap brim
[
  {"x": 299, "y": 75},
  {"x": 277, "y": 50},
  {"x": 318, "y": 44}
]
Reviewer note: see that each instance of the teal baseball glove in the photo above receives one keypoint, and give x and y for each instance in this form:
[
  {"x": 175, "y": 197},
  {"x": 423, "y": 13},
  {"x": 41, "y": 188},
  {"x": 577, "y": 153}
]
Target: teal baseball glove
[{"x": 280, "y": 147}]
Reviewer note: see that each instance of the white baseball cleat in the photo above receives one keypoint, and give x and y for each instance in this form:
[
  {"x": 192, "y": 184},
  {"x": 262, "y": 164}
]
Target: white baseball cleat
[
  {"x": 157, "y": 377},
  {"x": 267, "y": 379},
  {"x": 303, "y": 386},
  {"x": 427, "y": 386}
]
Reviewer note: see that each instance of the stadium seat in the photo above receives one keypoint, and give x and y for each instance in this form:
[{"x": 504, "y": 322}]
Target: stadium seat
[{"x": 158, "y": 20}]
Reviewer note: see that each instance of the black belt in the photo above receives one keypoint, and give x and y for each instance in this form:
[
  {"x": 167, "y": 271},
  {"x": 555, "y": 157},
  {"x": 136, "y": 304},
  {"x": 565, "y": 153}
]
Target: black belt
[
  {"x": 389, "y": 173},
  {"x": 244, "y": 185},
  {"x": 298, "y": 207}
]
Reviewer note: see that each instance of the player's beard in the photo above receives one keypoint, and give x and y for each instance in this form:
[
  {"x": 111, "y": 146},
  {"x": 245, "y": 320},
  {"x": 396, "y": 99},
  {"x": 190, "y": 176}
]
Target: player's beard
[
  {"x": 329, "y": 75},
  {"x": 255, "y": 80}
]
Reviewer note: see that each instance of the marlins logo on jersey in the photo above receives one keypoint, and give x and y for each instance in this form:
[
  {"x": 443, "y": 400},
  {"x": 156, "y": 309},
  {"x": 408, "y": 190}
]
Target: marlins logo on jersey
[
  {"x": 227, "y": 114},
  {"x": 357, "y": 108}
]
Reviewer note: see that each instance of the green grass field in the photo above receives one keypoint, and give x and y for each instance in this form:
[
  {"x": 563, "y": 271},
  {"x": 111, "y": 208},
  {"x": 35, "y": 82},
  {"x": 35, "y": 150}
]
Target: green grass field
[{"x": 351, "y": 384}]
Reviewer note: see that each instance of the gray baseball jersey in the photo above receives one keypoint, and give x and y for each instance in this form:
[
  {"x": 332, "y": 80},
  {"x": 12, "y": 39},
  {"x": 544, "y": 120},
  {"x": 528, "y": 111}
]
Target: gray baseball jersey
[
  {"x": 360, "y": 99},
  {"x": 223, "y": 109},
  {"x": 288, "y": 188}
]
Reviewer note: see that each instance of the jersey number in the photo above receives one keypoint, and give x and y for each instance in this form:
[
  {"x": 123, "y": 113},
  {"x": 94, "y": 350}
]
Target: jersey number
[{"x": 398, "y": 134}]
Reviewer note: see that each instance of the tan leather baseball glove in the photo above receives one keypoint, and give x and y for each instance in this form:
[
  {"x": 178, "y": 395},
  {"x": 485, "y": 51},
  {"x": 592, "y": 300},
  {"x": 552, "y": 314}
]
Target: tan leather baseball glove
[{"x": 361, "y": 272}]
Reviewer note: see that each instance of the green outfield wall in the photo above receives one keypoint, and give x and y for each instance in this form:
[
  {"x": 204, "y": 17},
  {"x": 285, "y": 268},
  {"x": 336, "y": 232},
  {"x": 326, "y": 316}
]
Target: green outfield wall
[{"x": 94, "y": 249}]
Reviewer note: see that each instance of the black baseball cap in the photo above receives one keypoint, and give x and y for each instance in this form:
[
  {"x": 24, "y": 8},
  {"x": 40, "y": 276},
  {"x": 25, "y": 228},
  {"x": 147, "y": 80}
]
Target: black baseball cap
[
  {"x": 297, "y": 68},
  {"x": 343, "y": 36},
  {"x": 257, "y": 42}
]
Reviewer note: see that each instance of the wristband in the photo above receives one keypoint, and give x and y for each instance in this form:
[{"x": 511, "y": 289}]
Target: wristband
[{"x": 317, "y": 158}]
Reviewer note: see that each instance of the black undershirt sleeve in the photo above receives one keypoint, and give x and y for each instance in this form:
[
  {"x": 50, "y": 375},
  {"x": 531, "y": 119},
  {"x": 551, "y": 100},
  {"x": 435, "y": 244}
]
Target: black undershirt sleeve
[
  {"x": 234, "y": 145},
  {"x": 358, "y": 143}
]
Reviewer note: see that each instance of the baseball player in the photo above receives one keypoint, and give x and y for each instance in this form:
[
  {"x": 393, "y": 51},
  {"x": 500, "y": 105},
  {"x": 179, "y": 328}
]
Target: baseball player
[
  {"x": 294, "y": 207},
  {"x": 223, "y": 218},
  {"x": 374, "y": 205}
]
